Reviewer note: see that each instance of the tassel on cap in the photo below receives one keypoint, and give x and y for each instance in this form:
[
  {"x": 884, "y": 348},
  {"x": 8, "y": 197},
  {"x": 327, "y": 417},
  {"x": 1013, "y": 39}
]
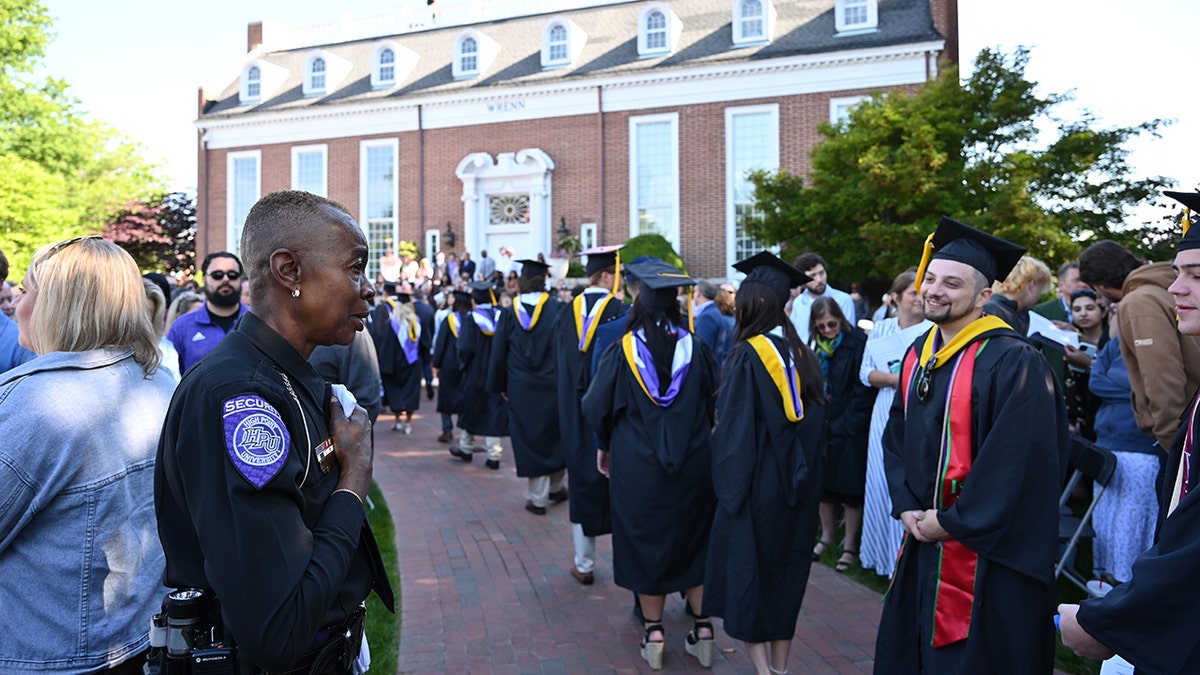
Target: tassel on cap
[{"x": 926, "y": 256}]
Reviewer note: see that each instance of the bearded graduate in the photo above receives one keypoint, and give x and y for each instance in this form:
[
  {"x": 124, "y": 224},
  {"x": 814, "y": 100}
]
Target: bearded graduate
[
  {"x": 975, "y": 452},
  {"x": 651, "y": 403},
  {"x": 521, "y": 368},
  {"x": 766, "y": 469}
]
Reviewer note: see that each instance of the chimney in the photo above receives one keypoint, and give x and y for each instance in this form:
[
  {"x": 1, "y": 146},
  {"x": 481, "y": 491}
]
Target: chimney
[
  {"x": 945, "y": 20},
  {"x": 254, "y": 36}
]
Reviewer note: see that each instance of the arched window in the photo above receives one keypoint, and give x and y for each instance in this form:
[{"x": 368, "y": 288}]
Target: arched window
[
  {"x": 558, "y": 43},
  {"x": 316, "y": 75},
  {"x": 752, "y": 19},
  {"x": 468, "y": 52},
  {"x": 656, "y": 31},
  {"x": 387, "y": 66},
  {"x": 253, "y": 83}
]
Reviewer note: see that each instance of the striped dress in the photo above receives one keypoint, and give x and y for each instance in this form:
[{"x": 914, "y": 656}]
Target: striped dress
[{"x": 881, "y": 532}]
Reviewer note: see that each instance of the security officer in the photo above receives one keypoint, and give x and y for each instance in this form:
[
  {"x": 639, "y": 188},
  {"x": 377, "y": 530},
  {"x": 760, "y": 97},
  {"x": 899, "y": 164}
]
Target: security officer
[{"x": 261, "y": 472}]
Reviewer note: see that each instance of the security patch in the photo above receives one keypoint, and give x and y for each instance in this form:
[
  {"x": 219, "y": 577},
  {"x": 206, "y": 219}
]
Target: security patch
[{"x": 255, "y": 437}]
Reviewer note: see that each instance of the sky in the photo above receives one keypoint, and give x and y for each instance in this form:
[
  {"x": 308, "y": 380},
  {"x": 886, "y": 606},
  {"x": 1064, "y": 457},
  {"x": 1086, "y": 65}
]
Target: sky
[{"x": 138, "y": 64}]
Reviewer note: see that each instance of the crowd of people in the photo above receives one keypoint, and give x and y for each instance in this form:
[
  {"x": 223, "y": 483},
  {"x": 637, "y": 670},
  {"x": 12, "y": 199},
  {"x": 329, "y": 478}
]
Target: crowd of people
[{"x": 725, "y": 435}]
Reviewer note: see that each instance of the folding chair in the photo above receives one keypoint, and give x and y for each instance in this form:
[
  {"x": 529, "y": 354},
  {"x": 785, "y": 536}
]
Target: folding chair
[{"x": 1091, "y": 461}]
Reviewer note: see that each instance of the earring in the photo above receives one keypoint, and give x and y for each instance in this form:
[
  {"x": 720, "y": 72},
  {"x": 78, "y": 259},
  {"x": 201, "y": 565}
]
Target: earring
[{"x": 295, "y": 292}]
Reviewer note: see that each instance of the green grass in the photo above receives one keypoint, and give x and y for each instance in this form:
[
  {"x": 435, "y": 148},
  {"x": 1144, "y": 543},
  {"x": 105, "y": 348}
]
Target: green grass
[{"x": 383, "y": 627}]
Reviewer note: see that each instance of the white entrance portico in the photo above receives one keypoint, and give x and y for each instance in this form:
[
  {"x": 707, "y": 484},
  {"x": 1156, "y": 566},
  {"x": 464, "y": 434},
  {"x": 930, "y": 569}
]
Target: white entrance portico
[{"x": 506, "y": 202}]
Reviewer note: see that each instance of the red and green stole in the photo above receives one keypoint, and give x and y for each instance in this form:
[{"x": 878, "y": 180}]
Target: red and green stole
[{"x": 956, "y": 570}]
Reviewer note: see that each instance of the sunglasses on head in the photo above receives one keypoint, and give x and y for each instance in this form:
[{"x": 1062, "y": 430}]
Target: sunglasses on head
[{"x": 218, "y": 275}]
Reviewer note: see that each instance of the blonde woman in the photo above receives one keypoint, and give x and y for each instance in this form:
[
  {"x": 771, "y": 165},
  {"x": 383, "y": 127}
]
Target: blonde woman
[
  {"x": 78, "y": 483},
  {"x": 1019, "y": 292},
  {"x": 183, "y": 303}
]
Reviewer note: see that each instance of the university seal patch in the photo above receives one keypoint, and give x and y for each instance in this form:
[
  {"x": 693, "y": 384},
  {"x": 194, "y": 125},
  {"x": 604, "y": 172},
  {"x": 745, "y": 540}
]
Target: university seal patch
[{"x": 255, "y": 437}]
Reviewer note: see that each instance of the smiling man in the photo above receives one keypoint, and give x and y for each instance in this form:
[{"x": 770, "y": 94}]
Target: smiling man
[
  {"x": 975, "y": 452},
  {"x": 1150, "y": 620},
  {"x": 198, "y": 332}
]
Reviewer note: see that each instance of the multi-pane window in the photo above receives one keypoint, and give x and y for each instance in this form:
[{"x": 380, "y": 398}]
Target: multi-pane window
[
  {"x": 243, "y": 177},
  {"x": 654, "y": 165},
  {"x": 751, "y": 142},
  {"x": 387, "y": 66},
  {"x": 854, "y": 13},
  {"x": 656, "y": 31},
  {"x": 253, "y": 82},
  {"x": 379, "y": 189},
  {"x": 308, "y": 169},
  {"x": 468, "y": 55},
  {"x": 558, "y": 43},
  {"x": 316, "y": 80},
  {"x": 752, "y": 19}
]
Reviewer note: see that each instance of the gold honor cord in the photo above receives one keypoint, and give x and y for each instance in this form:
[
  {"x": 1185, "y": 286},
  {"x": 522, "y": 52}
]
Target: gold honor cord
[
  {"x": 414, "y": 330},
  {"x": 631, "y": 358},
  {"x": 773, "y": 362},
  {"x": 578, "y": 305},
  {"x": 454, "y": 324},
  {"x": 965, "y": 336},
  {"x": 537, "y": 310}
]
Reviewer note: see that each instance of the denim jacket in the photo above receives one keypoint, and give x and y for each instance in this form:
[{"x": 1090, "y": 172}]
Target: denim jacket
[{"x": 80, "y": 562}]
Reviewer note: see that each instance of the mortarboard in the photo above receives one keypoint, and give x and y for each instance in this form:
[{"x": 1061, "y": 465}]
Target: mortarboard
[
  {"x": 601, "y": 258},
  {"x": 462, "y": 297},
  {"x": 767, "y": 269},
  {"x": 1191, "y": 201},
  {"x": 533, "y": 268},
  {"x": 992, "y": 256},
  {"x": 628, "y": 271},
  {"x": 389, "y": 287},
  {"x": 482, "y": 292},
  {"x": 660, "y": 283},
  {"x": 403, "y": 297}
]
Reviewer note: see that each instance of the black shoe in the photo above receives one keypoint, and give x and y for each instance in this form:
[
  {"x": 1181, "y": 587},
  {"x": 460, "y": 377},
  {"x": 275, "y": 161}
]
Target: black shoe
[
  {"x": 462, "y": 454},
  {"x": 558, "y": 496},
  {"x": 534, "y": 508},
  {"x": 493, "y": 464},
  {"x": 429, "y": 391}
]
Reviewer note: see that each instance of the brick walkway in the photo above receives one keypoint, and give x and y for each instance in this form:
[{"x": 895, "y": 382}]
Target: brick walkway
[{"x": 485, "y": 586}]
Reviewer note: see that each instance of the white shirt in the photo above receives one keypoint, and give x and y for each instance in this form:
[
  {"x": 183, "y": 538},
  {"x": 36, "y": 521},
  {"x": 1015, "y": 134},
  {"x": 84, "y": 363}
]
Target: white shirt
[{"x": 802, "y": 308}]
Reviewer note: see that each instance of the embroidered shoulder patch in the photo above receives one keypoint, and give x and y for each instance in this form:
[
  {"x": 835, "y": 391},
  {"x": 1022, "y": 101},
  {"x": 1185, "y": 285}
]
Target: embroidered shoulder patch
[
  {"x": 1144, "y": 342},
  {"x": 255, "y": 437}
]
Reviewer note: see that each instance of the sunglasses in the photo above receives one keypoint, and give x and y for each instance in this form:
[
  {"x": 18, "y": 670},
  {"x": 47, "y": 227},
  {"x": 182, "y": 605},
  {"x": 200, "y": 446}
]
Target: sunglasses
[
  {"x": 829, "y": 325},
  {"x": 923, "y": 379},
  {"x": 218, "y": 275},
  {"x": 55, "y": 249}
]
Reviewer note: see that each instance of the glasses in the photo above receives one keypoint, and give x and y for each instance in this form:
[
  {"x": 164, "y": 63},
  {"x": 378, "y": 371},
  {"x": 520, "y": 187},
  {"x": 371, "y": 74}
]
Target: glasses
[
  {"x": 55, "y": 249},
  {"x": 218, "y": 275},
  {"x": 829, "y": 325},
  {"x": 924, "y": 378}
]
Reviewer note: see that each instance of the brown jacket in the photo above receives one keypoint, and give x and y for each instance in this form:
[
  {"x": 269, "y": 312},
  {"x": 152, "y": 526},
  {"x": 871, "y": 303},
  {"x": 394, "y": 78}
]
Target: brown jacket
[{"x": 1164, "y": 366}]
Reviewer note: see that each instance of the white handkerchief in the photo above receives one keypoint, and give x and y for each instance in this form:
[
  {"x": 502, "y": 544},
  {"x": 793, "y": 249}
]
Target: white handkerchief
[{"x": 345, "y": 398}]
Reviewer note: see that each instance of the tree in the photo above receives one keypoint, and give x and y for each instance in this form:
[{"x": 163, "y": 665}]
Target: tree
[
  {"x": 159, "y": 233},
  {"x": 971, "y": 150}
]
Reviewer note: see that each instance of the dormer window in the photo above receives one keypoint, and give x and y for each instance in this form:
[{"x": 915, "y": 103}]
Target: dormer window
[
  {"x": 316, "y": 76},
  {"x": 391, "y": 64},
  {"x": 387, "y": 66},
  {"x": 473, "y": 53},
  {"x": 562, "y": 42},
  {"x": 856, "y": 16},
  {"x": 253, "y": 83},
  {"x": 658, "y": 30},
  {"x": 558, "y": 43},
  {"x": 324, "y": 71},
  {"x": 753, "y": 21}
]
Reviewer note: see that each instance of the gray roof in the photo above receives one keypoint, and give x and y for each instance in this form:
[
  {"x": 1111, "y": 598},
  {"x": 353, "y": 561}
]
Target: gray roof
[{"x": 802, "y": 27}]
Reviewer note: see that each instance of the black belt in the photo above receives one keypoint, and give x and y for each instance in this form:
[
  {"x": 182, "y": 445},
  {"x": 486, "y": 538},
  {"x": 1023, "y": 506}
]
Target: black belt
[{"x": 336, "y": 648}]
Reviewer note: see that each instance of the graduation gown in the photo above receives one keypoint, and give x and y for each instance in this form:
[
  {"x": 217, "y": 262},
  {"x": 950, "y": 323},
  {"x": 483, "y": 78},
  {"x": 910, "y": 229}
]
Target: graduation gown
[
  {"x": 1006, "y": 512},
  {"x": 589, "y": 489},
  {"x": 522, "y": 365},
  {"x": 767, "y": 477},
  {"x": 483, "y": 414},
  {"x": 445, "y": 359},
  {"x": 660, "y": 469},
  {"x": 847, "y": 419},
  {"x": 401, "y": 379},
  {"x": 1151, "y": 620}
]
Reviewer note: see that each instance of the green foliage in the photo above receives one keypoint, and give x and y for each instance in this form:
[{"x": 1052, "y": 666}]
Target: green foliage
[
  {"x": 652, "y": 244},
  {"x": 408, "y": 249},
  {"x": 160, "y": 233},
  {"x": 570, "y": 244},
  {"x": 970, "y": 150},
  {"x": 575, "y": 269},
  {"x": 64, "y": 174},
  {"x": 383, "y": 627}
]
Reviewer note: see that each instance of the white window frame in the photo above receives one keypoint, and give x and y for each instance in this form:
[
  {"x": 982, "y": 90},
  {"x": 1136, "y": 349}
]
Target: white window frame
[
  {"x": 767, "y": 18},
  {"x": 298, "y": 150},
  {"x": 378, "y": 81},
  {"x": 245, "y": 95},
  {"x": 363, "y": 223},
  {"x": 233, "y": 228},
  {"x": 731, "y": 179},
  {"x": 588, "y": 236},
  {"x": 672, "y": 234},
  {"x": 836, "y": 105},
  {"x": 309, "y": 85},
  {"x": 433, "y": 242},
  {"x": 549, "y": 58},
  {"x": 674, "y": 28},
  {"x": 842, "y": 7}
]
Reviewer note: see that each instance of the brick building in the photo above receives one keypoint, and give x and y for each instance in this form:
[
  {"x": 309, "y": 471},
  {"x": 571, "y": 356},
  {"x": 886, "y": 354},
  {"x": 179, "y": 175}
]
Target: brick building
[{"x": 475, "y": 124}]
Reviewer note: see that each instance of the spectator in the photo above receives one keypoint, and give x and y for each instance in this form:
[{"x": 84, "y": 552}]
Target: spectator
[
  {"x": 6, "y": 298},
  {"x": 197, "y": 333},
  {"x": 466, "y": 268},
  {"x": 1018, "y": 293},
  {"x": 389, "y": 264},
  {"x": 156, "y": 302},
  {"x": 710, "y": 324},
  {"x": 1093, "y": 335},
  {"x": 862, "y": 307},
  {"x": 12, "y": 354},
  {"x": 184, "y": 302},
  {"x": 487, "y": 267},
  {"x": 80, "y": 563},
  {"x": 839, "y": 347},
  {"x": 813, "y": 265},
  {"x": 1059, "y": 309}
]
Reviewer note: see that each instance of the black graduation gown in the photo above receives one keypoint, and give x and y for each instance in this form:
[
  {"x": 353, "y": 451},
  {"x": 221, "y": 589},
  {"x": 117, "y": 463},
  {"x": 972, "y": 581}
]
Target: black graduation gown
[
  {"x": 522, "y": 365},
  {"x": 767, "y": 477},
  {"x": 401, "y": 380},
  {"x": 589, "y": 489},
  {"x": 445, "y": 359},
  {"x": 1152, "y": 619},
  {"x": 847, "y": 419},
  {"x": 660, "y": 470},
  {"x": 483, "y": 414},
  {"x": 1007, "y": 513}
]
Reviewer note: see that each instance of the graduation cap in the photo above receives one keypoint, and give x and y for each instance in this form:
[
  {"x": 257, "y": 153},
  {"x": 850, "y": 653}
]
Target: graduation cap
[
  {"x": 992, "y": 256},
  {"x": 1191, "y": 201},
  {"x": 660, "y": 283},
  {"x": 482, "y": 292},
  {"x": 533, "y": 268},
  {"x": 628, "y": 269},
  {"x": 403, "y": 297},
  {"x": 767, "y": 269},
  {"x": 462, "y": 300},
  {"x": 389, "y": 287},
  {"x": 601, "y": 258}
]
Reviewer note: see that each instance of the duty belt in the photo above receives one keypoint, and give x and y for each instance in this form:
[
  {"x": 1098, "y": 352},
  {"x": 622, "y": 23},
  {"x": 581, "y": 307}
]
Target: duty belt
[{"x": 336, "y": 648}]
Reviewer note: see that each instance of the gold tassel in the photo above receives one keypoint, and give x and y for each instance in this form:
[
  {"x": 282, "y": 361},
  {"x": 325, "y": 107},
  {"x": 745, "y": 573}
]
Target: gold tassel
[
  {"x": 926, "y": 255},
  {"x": 691, "y": 318},
  {"x": 492, "y": 295},
  {"x": 1186, "y": 221},
  {"x": 617, "y": 274}
]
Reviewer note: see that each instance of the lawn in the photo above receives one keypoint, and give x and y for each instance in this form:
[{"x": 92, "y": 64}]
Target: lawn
[{"x": 383, "y": 627}]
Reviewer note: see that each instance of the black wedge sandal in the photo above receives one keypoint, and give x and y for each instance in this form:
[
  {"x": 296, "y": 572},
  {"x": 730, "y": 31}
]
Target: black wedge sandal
[
  {"x": 701, "y": 648},
  {"x": 652, "y": 652}
]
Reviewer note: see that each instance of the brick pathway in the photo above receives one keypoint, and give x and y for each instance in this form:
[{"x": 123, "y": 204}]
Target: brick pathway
[{"x": 485, "y": 586}]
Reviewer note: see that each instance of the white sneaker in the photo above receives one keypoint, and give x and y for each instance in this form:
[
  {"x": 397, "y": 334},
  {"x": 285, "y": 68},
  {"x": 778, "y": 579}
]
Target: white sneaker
[{"x": 407, "y": 429}]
